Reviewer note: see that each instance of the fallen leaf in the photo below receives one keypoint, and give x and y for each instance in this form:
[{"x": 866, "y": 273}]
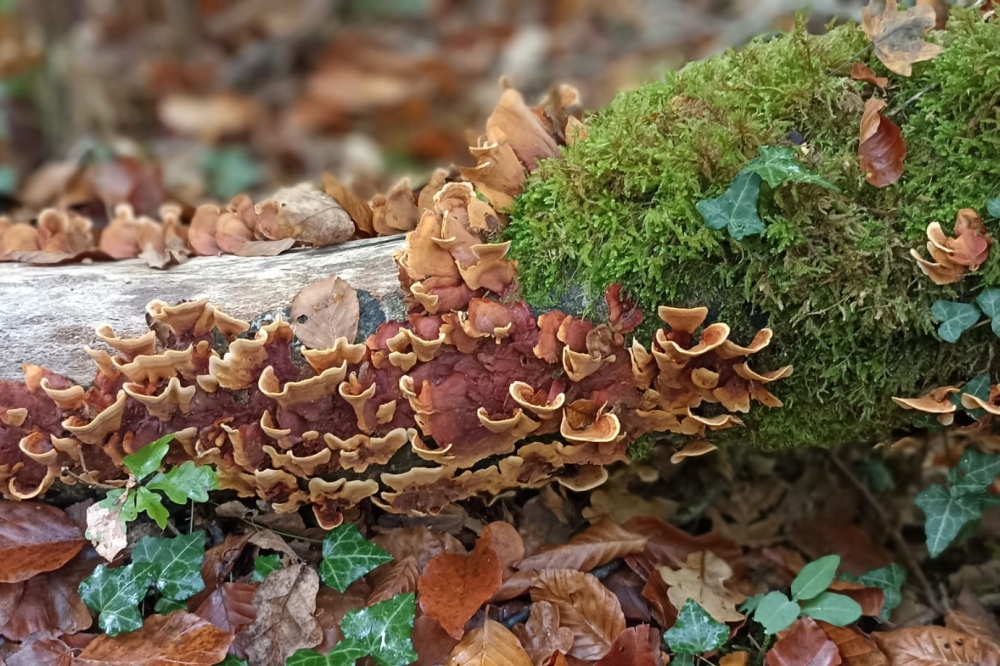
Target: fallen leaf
[
  {"x": 669, "y": 545},
  {"x": 804, "y": 644},
  {"x": 454, "y": 586},
  {"x": 220, "y": 559},
  {"x": 898, "y": 36},
  {"x": 106, "y": 529},
  {"x": 392, "y": 579},
  {"x": 970, "y": 607},
  {"x": 489, "y": 645},
  {"x": 324, "y": 311},
  {"x": 360, "y": 211},
  {"x": 42, "y": 650},
  {"x": 586, "y": 608},
  {"x": 285, "y": 603},
  {"x": 507, "y": 543},
  {"x": 598, "y": 544},
  {"x": 855, "y": 648},
  {"x": 986, "y": 634},
  {"x": 35, "y": 538},
  {"x": 431, "y": 642},
  {"x": 870, "y": 599},
  {"x": 862, "y": 72},
  {"x": 230, "y": 608},
  {"x": 419, "y": 542},
  {"x": 827, "y": 534},
  {"x": 627, "y": 586},
  {"x": 332, "y": 606},
  {"x": 633, "y": 647},
  {"x": 930, "y": 646},
  {"x": 621, "y": 506},
  {"x": 882, "y": 148},
  {"x": 734, "y": 659},
  {"x": 163, "y": 640},
  {"x": 702, "y": 578},
  {"x": 306, "y": 215},
  {"x": 541, "y": 635}
]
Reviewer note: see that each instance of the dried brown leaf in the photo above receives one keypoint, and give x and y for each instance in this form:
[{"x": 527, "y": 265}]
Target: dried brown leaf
[
  {"x": 856, "y": 649},
  {"x": 392, "y": 579},
  {"x": 984, "y": 632},
  {"x": 305, "y": 214},
  {"x": 285, "y": 603},
  {"x": 541, "y": 635},
  {"x": 419, "y": 542},
  {"x": 41, "y": 650},
  {"x": 507, "y": 543},
  {"x": 636, "y": 646},
  {"x": 163, "y": 640},
  {"x": 898, "y": 36},
  {"x": 702, "y": 578},
  {"x": 586, "y": 608},
  {"x": 882, "y": 148},
  {"x": 862, "y": 72},
  {"x": 805, "y": 644},
  {"x": 35, "y": 538},
  {"x": 230, "y": 608},
  {"x": 489, "y": 645},
  {"x": 359, "y": 210},
  {"x": 931, "y": 646},
  {"x": 869, "y": 598},
  {"x": 598, "y": 544},
  {"x": 431, "y": 643},
  {"x": 669, "y": 545},
  {"x": 734, "y": 659},
  {"x": 452, "y": 587},
  {"x": 332, "y": 606},
  {"x": 324, "y": 311}
]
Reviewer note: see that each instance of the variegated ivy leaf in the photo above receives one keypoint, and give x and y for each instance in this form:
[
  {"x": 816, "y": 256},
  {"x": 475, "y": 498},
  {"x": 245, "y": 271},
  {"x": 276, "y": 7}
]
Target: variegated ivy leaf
[
  {"x": 955, "y": 318},
  {"x": 344, "y": 653},
  {"x": 187, "y": 482},
  {"x": 978, "y": 386},
  {"x": 778, "y": 164},
  {"x": 114, "y": 594},
  {"x": 148, "y": 459},
  {"x": 736, "y": 208},
  {"x": 989, "y": 302},
  {"x": 993, "y": 207},
  {"x": 975, "y": 472},
  {"x": 384, "y": 630},
  {"x": 347, "y": 556},
  {"x": 696, "y": 631},
  {"x": 889, "y": 579},
  {"x": 176, "y": 563},
  {"x": 945, "y": 516}
]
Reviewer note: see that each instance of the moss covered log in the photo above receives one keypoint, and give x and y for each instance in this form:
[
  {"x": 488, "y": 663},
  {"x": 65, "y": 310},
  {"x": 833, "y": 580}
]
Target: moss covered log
[{"x": 831, "y": 274}]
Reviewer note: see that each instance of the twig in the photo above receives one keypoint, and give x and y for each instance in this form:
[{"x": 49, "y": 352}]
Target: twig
[
  {"x": 850, "y": 60},
  {"x": 913, "y": 99},
  {"x": 902, "y": 548},
  {"x": 86, "y": 482}
]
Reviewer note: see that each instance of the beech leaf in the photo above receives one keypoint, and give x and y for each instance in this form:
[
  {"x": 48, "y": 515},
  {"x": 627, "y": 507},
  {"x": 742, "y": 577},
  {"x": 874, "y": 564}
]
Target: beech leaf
[
  {"x": 778, "y": 164},
  {"x": 148, "y": 459},
  {"x": 955, "y": 318},
  {"x": 384, "y": 630},
  {"x": 776, "y": 612},
  {"x": 491, "y": 644},
  {"x": 815, "y": 577},
  {"x": 881, "y": 149},
  {"x": 636, "y": 646},
  {"x": 586, "y": 608},
  {"x": 115, "y": 595},
  {"x": 285, "y": 622},
  {"x": 806, "y": 643},
  {"x": 347, "y": 556},
  {"x": 598, "y": 544},
  {"x": 856, "y": 649},
  {"x": 35, "y": 538},
  {"x": 176, "y": 563},
  {"x": 930, "y": 646},
  {"x": 453, "y": 587},
  {"x": 696, "y": 631},
  {"x": 542, "y": 635},
  {"x": 836, "y": 609},
  {"x": 178, "y": 638},
  {"x": 229, "y": 607},
  {"x": 186, "y": 482},
  {"x": 736, "y": 208}
]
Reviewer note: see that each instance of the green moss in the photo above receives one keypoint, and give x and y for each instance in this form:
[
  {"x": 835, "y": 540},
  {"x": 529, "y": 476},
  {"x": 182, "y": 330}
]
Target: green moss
[{"x": 831, "y": 275}]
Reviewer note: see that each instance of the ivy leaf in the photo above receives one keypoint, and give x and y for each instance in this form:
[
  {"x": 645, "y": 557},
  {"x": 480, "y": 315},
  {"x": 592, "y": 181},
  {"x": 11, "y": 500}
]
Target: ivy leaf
[
  {"x": 976, "y": 471},
  {"x": 148, "y": 459},
  {"x": 148, "y": 501},
  {"x": 989, "y": 303},
  {"x": 815, "y": 577},
  {"x": 347, "y": 556},
  {"x": 263, "y": 565},
  {"x": 778, "y": 164},
  {"x": 978, "y": 386},
  {"x": 776, "y": 612},
  {"x": 889, "y": 579},
  {"x": 993, "y": 207},
  {"x": 166, "y": 606},
  {"x": 832, "y": 608},
  {"x": 696, "y": 631},
  {"x": 384, "y": 630},
  {"x": 232, "y": 660},
  {"x": 735, "y": 208},
  {"x": 946, "y": 516},
  {"x": 956, "y": 318},
  {"x": 186, "y": 482},
  {"x": 344, "y": 653},
  {"x": 115, "y": 595},
  {"x": 176, "y": 563}
]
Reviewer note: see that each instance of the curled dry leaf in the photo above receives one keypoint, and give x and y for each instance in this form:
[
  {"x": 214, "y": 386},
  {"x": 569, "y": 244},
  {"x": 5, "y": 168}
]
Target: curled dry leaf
[
  {"x": 285, "y": 603},
  {"x": 931, "y": 646},
  {"x": 702, "y": 578},
  {"x": 305, "y": 214},
  {"x": 35, "y": 538},
  {"x": 454, "y": 586},
  {"x": 360, "y": 211},
  {"x": 419, "y": 542},
  {"x": 106, "y": 530},
  {"x": 636, "y": 646},
  {"x": 230, "y": 608},
  {"x": 586, "y": 608},
  {"x": 324, "y": 311},
  {"x": 862, "y": 72},
  {"x": 392, "y": 579},
  {"x": 898, "y": 36},
  {"x": 855, "y": 648},
  {"x": 882, "y": 148},
  {"x": 163, "y": 640},
  {"x": 598, "y": 544},
  {"x": 42, "y": 650},
  {"x": 806, "y": 644},
  {"x": 491, "y": 644},
  {"x": 541, "y": 635}
]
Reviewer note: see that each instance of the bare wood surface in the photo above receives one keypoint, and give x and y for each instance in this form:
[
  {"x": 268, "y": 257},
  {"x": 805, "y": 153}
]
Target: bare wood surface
[{"x": 48, "y": 313}]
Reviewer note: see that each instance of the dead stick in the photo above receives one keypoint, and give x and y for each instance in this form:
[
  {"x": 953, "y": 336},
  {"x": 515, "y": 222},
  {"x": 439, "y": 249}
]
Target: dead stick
[{"x": 902, "y": 548}]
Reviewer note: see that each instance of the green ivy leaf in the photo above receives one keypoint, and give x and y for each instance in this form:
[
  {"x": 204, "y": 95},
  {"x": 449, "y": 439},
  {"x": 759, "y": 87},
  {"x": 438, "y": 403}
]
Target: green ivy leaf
[
  {"x": 776, "y": 612},
  {"x": 889, "y": 579},
  {"x": 186, "y": 482},
  {"x": 778, "y": 164},
  {"x": 384, "y": 630},
  {"x": 978, "y": 386},
  {"x": 815, "y": 577},
  {"x": 989, "y": 303},
  {"x": 176, "y": 562},
  {"x": 232, "y": 660},
  {"x": 347, "y": 556},
  {"x": 166, "y": 606},
  {"x": 735, "y": 208},
  {"x": 263, "y": 565},
  {"x": 115, "y": 595},
  {"x": 955, "y": 318},
  {"x": 993, "y": 207},
  {"x": 832, "y": 608},
  {"x": 344, "y": 653},
  {"x": 976, "y": 472},
  {"x": 696, "y": 631},
  {"x": 946, "y": 516},
  {"x": 148, "y": 459},
  {"x": 148, "y": 501}
]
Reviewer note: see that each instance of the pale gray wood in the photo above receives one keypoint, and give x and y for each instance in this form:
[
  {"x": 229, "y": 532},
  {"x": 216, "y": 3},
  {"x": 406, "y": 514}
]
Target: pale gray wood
[{"x": 48, "y": 313}]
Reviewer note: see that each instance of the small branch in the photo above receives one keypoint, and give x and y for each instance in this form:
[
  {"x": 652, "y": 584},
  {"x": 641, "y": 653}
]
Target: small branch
[
  {"x": 912, "y": 99},
  {"x": 902, "y": 548},
  {"x": 86, "y": 482}
]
